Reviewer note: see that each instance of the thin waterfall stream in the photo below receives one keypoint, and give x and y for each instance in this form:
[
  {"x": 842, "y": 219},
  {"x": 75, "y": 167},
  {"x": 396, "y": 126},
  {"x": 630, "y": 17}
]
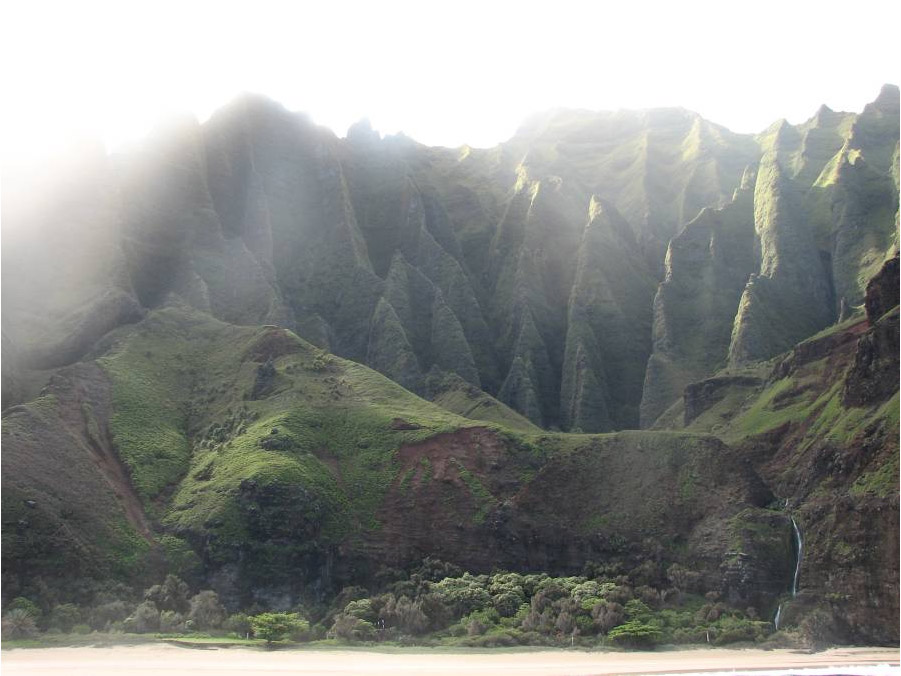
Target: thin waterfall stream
[{"x": 799, "y": 543}]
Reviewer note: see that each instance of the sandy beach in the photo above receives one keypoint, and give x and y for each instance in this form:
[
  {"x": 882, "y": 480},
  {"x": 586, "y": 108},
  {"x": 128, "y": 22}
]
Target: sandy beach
[{"x": 177, "y": 661}]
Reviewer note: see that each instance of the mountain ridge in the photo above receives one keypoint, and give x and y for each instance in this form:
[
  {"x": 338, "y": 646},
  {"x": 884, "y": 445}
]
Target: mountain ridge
[{"x": 193, "y": 329}]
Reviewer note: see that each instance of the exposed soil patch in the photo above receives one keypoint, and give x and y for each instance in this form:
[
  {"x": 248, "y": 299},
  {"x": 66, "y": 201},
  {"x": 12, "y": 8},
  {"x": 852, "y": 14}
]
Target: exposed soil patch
[
  {"x": 275, "y": 342},
  {"x": 440, "y": 500},
  {"x": 84, "y": 406}
]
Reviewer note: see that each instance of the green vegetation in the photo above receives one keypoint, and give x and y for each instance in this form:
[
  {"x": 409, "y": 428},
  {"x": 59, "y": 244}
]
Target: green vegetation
[
  {"x": 480, "y": 495},
  {"x": 881, "y": 482},
  {"x": 150, "y": 388},
  {"x": 272, "y": 627},
  {"x": 503, "y": 609},
  {"x": 514, "y": 288},
  {"x": 457, "y": 396}
]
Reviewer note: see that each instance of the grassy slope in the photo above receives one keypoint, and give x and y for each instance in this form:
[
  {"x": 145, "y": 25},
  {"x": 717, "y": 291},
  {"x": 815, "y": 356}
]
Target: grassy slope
[
  {"x": 276, "y": 471},
  {"x": 457, "y": 396},
  {"x": 811, "y": 394},
  {"x": 62, "y": 519},
  {"x": 182, "y": 387}
]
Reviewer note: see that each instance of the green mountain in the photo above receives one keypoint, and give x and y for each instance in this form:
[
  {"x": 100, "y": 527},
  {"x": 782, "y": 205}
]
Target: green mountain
[{"x": 279, "y": 363}]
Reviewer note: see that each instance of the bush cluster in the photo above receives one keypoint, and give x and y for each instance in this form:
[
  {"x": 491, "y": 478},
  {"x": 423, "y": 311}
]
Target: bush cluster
[
  {"x": 435, "y": 603},
  {"x": 537, "y": 609}
]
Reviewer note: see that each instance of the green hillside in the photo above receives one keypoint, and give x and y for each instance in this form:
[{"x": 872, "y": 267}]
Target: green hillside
[{"x": 305, "y": 371}]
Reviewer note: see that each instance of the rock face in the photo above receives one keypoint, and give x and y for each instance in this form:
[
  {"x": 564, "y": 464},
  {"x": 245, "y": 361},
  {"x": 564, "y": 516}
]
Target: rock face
[
  {"x": 872, "y": 376},
  {"x": 528, "y": 269},
  {"x": 700, "y": 396},
  {"x": 607, "y": 326},
  {"x": 808, "y": 226},
  {"x": 882, "y": 291},
  {"x": 707, "y": 267},
  {"x": 821, "y": 432},
  {"x": 598, "y": 271}
]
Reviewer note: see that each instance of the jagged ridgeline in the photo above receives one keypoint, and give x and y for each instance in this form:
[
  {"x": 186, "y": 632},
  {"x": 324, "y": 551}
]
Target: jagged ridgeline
[
  {"x": 275, "y": 361},
  {"x": 528, "y": 270}
]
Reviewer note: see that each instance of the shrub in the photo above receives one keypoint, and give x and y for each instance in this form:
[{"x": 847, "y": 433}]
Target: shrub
[
  {"x": 323, "y": 361},
  {"x": 172, "y": 594},
  {"x": 684, "y": 579},
  {"x": 26, "y": 605},
  {"x": 497, "y": 639},
  {"x": 362, "y": 610},
  {"x": 65, "y": 616},
  {"x": 463, "y": 594},
  {"x": 206, "y": 611},
  {"x": 240, "y": 624},
  {"x": 637, "y": 610},
  {"x": 480, "y": 621},
  {"x": 635, "y": 633},
  {"x": 649, "y": 596},
  {"x": 565, "y": 623},
  {"x": 507, "y": 603},
  {"x": 405, "y": 615},
  {"x": 145, "y": 619},
  {"x": 436, "y": 610},
  {"x": 106, "y": 614},
  {"x": 541, "y": 622},
  {"x": 19, "y": 623},
  {"x": 733, "y": 629},
  {"x": 275, "y": 626},
  {"x": 352, "y": 628},
  {"x": 82, "y": 629},
  {"x": 171, "y": 622},
  {"x": 433, "y": 570},
  {"x": 607, "y": 615}
]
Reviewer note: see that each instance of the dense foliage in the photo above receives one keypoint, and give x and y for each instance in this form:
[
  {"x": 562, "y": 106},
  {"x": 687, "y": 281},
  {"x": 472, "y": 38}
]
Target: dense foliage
[{"x": 433, "y": 604}]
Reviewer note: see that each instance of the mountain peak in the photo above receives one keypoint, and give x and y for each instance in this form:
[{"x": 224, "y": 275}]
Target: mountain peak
[
  {"x": 361, "y": 132},
  {"x": 889, "y": 99}
]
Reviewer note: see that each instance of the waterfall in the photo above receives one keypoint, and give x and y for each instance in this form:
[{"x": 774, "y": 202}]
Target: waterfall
[
  {"x": 798, "y": 558},
  {"x": 800, "y": 545}
]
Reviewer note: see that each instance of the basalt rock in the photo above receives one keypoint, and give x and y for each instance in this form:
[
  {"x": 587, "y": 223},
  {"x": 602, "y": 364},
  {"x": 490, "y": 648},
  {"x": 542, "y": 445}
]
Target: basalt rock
[
  {"x": 873, "y": 376},
  {"x": 701, "y": 396},
  {"x": 882, "y": 291}
]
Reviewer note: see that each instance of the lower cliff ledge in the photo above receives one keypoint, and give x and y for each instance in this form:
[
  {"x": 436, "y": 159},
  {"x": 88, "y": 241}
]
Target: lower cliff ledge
[{"x": 700, "y": 396}]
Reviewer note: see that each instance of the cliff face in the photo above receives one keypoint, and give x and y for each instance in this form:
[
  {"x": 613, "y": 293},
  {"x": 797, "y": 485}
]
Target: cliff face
[
  {"x": 521, "y": 268},
  {"x": 791, "y": 254},
  {"x": 821, "y": 430},
  {"x": 246, "y": 459},
  {"x": 191, "y": 328}
]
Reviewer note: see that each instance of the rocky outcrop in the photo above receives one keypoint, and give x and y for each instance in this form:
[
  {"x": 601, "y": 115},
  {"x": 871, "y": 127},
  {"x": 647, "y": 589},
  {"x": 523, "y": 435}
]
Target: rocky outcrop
[
  {"x": 822, "y": 218},
  {"x": 834, "y": 343},
  {"x": 882, "y": 291},
  {"x": 702, "y": 395},
  {"x": 873, "y": 376}
]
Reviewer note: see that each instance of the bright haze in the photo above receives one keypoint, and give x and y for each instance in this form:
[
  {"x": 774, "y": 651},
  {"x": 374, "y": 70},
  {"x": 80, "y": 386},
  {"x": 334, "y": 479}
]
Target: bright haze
[{"x": 443, "y": 73}]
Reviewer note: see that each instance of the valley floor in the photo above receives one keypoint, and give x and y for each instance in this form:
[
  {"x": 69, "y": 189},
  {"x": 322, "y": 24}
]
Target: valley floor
[{"x": 175, "y": 661}]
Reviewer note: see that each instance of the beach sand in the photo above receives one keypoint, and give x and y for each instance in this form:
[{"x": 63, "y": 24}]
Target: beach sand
[{"x": 178, "y": 661}]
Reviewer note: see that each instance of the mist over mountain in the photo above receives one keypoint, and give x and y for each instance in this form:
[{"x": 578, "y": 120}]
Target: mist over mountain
[{"x": 291, "y": 358}]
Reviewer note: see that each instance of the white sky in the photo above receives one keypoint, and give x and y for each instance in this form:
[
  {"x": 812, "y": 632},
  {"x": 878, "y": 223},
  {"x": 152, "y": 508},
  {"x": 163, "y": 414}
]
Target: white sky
[{"x": 445, "y": 73}]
